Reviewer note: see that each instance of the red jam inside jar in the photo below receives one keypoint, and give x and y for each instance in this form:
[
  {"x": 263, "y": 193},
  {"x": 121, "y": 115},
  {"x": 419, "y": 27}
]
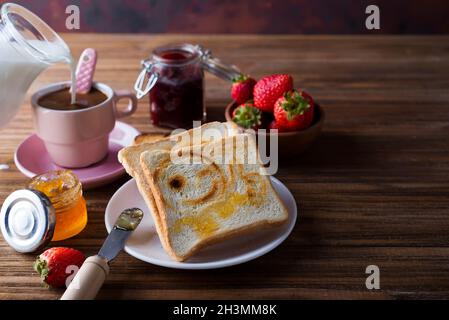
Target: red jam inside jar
[{"x": 177, "y": 98}]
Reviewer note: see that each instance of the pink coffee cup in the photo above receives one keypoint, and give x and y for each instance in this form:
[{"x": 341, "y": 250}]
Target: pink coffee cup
[{"x": 79, "y": 138}]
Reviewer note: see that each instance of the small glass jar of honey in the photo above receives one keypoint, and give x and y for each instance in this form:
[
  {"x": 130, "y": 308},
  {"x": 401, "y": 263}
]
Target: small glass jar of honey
[{"x": 65, "y": 193}]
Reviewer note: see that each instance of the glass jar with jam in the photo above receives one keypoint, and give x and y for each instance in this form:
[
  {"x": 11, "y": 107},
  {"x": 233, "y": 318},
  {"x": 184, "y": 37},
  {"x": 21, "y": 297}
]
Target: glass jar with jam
[
  {"x": 52, "y": 208},
  {"x": 174, "y": 79},
  {"x": 65, "y": 193}
]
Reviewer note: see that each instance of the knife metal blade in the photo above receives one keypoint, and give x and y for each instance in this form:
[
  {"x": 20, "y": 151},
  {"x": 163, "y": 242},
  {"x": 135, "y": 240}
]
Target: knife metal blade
[{"x": 126, "y": 223}]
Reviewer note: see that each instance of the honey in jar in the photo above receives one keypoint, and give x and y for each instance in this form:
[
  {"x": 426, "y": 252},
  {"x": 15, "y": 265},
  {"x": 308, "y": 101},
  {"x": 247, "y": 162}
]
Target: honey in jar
[{"x": 65, "y": 193}]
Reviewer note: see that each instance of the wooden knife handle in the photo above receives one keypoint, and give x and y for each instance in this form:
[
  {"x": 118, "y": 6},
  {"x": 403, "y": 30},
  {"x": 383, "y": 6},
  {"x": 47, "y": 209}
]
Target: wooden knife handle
[{"x": 88, "y": 280}]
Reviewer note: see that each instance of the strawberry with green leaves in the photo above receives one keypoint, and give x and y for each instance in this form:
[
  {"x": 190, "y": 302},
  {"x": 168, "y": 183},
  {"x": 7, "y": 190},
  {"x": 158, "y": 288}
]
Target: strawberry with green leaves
[
  {"x": 248, "y": 116},
  {"x": 294, "y": 111},
  {"x": 52, "y": 265},
  {"x": 269, "y": 89},
  {"x": 242, "y": 89},
  {"x": 274, "y": 126}
]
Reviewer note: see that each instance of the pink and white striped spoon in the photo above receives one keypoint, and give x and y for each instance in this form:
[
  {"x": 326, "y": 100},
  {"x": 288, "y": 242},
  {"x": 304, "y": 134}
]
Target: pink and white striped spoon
[{"x": 85, "y": 71}]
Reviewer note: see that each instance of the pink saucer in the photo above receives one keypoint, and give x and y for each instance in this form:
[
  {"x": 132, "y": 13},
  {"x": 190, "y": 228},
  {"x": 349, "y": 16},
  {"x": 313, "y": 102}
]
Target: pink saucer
[{"x": 32, "y": 159}]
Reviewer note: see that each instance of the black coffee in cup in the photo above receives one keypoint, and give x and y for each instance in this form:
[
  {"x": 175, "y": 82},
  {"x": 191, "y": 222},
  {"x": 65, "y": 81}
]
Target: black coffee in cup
[
  {"x": 61, "y": 100},
  {"x": 78, "y": 138}
]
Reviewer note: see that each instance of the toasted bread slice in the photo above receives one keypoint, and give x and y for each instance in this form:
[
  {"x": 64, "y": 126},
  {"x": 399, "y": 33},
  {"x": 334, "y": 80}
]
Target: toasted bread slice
[
  {"x": 149, "y": 137},
  {"x": 130, "y": 158},
  {"x": 202, "y": 203}
]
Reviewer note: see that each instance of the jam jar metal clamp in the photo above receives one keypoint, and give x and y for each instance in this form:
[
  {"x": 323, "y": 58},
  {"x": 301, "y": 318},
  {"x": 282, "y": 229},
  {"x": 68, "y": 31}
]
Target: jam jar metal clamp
[{"x": 141, "y": 88}]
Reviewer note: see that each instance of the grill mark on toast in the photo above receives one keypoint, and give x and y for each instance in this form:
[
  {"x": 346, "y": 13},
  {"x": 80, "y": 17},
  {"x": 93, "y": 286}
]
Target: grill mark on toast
[
  {"x": 177, "y": 183},
  {"x": 213, "y": 190},
  {"x": 209, "y": 171},
  {"x": 231, "y": 176},
  {"x": 221, "y": 173}
]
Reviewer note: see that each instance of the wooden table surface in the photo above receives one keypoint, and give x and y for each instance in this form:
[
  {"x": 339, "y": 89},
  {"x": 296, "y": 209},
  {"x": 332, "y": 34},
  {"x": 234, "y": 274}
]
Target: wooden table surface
[{"x": 373, "y": 191}]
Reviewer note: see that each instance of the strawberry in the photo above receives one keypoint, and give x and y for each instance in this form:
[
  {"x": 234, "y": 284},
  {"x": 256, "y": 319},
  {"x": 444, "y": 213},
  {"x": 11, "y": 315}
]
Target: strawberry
[
  {"x": 52, "y": 265},
  {"x": 242, "y": 89},
  {"x": 294, "y": 111},
  {"x": 269, "y": 89},
  {"x": 248, "y": 116},
  {"x": 273, "y": 125}
]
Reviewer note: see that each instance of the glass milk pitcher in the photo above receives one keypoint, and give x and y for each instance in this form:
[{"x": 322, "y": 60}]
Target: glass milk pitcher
[{"x": 27, "y": 47}]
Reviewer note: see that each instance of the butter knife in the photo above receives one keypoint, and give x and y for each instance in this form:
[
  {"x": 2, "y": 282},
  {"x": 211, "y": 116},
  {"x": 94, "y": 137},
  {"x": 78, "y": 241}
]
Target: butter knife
[{"x": 92, "y": 274}]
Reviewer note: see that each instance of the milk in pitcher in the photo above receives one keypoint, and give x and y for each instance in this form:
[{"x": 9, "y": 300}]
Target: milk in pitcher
[{"x": 25, "y": 51}]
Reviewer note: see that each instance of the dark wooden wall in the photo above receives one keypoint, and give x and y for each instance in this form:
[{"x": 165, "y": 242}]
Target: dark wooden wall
[{"x": 247, "y": 16}]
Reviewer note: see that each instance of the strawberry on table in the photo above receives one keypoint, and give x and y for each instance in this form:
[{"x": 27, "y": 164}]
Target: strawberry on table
[
  {"x": 294, "y": 111},
  {"x": 242, "y": 89},
  {"x": 52, "y": 265},
  {"x": 248, "y": 116},
  {"x": 271, "y": 88}
]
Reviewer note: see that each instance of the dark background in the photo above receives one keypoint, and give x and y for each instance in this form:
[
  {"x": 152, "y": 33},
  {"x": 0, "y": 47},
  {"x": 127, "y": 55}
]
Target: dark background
[{"x": 245, "y": 16}]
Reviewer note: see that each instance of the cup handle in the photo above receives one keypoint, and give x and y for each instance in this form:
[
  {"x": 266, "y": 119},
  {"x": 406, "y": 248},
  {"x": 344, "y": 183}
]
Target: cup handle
[{"x": 132, "y": 105}]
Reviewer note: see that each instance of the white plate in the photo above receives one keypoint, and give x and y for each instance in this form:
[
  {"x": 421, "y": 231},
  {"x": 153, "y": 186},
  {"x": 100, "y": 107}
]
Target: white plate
[{"x": 144, "y": 243}]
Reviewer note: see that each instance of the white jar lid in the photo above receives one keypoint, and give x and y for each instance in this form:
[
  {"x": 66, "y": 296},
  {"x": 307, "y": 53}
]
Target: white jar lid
[{"x": 27, "y": 220}]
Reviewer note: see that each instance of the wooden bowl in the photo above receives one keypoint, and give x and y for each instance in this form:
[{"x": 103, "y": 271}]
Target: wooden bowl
[{"x": 291, "y": 143}]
